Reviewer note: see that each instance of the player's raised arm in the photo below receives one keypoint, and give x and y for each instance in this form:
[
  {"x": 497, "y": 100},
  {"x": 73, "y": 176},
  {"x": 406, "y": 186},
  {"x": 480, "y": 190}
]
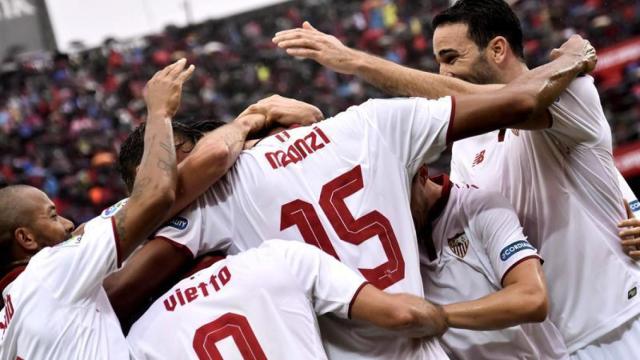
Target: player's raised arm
[
  {"x": 217, "y": 151},
  {"x": 153, "y": 191},
  {"x": 523, "y": 103},
  {"x": 394, "y": 79}
]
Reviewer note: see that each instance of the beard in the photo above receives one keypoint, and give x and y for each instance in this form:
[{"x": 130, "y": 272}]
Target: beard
[{"x": 481, "y": 72}]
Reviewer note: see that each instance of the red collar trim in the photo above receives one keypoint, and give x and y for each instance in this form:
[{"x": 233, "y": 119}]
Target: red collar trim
[
  {"x": 12, "y": 275},
  {"x": 438, "y": 207}
]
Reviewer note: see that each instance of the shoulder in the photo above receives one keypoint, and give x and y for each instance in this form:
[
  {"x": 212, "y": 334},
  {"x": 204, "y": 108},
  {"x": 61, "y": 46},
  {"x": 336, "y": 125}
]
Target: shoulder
[{"x": 113, "y": 209}]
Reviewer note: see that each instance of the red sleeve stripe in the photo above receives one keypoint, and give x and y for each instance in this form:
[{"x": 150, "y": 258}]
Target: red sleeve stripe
[
  {"x": 452, "y": 117},
  {"x": 355, "y": 295},
  {"x": 518, "y": 263},
  {"x": 117, "y": 239},
  {"x": 177, "y": 245}
]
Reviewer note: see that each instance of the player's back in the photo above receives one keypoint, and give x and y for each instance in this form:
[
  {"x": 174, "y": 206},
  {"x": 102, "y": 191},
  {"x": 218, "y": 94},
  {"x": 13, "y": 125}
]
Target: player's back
[
  {"x": 260, "y": 304},
  {"x": 342, "y": 185},
  {"x": 563, "y": 184}
]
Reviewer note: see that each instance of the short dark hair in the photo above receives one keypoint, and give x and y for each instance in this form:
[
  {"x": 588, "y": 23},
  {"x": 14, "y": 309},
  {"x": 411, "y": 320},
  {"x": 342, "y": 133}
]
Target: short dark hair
[
  {"x": 12, "y": 216},
  {"x": 132, "y": 148},
  {"x": 486, "y": 19}
]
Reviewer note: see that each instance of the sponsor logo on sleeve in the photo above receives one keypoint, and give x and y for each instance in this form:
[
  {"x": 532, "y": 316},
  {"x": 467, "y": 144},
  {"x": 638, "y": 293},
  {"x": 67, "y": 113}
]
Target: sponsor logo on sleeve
[
  {"x": 635, "y": 205},
  {"x": 113, "y": 209},
  {"x": 459, "y": 244},
  {"x": 178, "y": 222},
  {"x": 514, "y": 248}
]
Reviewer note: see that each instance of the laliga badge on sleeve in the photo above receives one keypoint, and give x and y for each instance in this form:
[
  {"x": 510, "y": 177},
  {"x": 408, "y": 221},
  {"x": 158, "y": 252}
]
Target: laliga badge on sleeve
[{"x": 113, "y": 209}]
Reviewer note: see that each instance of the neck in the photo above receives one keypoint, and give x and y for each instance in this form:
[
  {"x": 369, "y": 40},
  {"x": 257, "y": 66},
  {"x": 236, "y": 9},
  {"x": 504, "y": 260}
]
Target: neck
[
  {"x": 433, "y": 194},
  {"x": 514, "y": 69}
]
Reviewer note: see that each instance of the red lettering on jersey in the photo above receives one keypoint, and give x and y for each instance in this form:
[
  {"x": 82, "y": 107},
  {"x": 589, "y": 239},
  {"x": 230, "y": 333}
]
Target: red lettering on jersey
[
  {"x": 217, "y": 282},
  {"x": 299, "y": 150},
  {"x": 224, "y": 276},
  {"x": 516, "y": 132},
  {"x": 478, "y": 159},
  {"x": 8, "y": 313},
  {"x": 191, "y": 293}
]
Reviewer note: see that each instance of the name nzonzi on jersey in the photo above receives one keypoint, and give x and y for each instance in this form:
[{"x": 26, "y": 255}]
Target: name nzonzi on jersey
[{"x": 302, "y": 147}]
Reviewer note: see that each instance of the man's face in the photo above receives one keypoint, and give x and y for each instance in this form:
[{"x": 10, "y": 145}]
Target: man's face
[
  {"x": 45, "y": 224},
  {"x": 460, "y": 57}
]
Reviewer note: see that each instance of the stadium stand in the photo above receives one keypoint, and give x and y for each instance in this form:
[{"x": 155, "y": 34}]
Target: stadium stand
[{"x": 63, "y": 116}]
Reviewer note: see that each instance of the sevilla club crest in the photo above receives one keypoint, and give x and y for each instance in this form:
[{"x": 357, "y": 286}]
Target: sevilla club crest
[{"x": 459, "y": 244}]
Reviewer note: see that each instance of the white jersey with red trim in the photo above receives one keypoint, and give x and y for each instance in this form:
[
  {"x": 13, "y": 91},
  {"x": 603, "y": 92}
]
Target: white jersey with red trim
[
  {"x": 57, "y": 308},
  {"x": 259, "y": 304},
  {"x": 476, "y": 240},
  {"x": 342, "y": 185},
  {"x": 564, "y": 186}
]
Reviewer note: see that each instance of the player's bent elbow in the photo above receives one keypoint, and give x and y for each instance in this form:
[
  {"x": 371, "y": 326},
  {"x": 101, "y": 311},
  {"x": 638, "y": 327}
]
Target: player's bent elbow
[{"x": 537, "y": 304}]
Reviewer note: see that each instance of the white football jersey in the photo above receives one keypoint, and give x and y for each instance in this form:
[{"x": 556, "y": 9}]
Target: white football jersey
[
  {"x": 58, "y": 309},
  {"x": 564, "y": 186},
  {"x": 476, "y": 240},
  {"x": 342, "y": 185},
  {"x": 259, "y": 304}
]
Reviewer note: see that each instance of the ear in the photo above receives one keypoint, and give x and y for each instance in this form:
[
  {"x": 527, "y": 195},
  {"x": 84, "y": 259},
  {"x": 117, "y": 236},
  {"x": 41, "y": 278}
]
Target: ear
[
  {"x": 26, "y": 240},
  {"x": 498, "y": 49}
]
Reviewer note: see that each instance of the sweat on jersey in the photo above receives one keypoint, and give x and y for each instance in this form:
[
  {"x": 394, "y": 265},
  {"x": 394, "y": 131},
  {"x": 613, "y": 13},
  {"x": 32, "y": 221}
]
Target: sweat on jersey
[
  {"x": 261, "y": 302},
  {"x": 342, "y": 185},
  {"x": 57, "y": 308},
  {"x": 477, "y": 239},
  {"x": 564, "y": 186}
]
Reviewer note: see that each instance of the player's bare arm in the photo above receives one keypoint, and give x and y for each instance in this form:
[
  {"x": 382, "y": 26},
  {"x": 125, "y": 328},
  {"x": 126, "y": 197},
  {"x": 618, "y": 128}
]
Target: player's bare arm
[
  {"x": 392, "y": 78},
  {"x": 523, "y": 299},
  {"x": 525, "y": 100},
  {"x": 154, "y": 189},
  {"x": 412, "y": 315},
  {"x": 217, "y": 151}
]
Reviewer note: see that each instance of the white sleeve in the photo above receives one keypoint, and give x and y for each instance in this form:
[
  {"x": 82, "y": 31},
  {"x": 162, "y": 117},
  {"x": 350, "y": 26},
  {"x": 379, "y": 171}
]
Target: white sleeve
[
  {"x": 329, "y": 284},
  {"x": 628, "y": 195},
  {"x": 577, "y": 115},
  {"x": 198, "y": 229},
  {"x": 414, "y": 129},
  {"x": 79, "y": 265},
  {"x": 494, "y": 222}
]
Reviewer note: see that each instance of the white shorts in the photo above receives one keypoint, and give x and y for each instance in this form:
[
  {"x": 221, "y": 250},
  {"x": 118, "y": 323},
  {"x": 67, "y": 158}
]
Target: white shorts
[{"x": 622, "y": 343}]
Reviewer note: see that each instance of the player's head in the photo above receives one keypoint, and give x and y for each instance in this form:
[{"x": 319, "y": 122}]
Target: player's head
[
  {"x": 186, "y": 133},
  {"x": 28, "y": 222},
  {"x": 473, "y": 40}
]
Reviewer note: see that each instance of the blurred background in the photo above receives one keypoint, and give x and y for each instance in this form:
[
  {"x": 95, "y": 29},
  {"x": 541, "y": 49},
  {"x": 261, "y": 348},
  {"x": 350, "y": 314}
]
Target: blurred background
[{"x": 72, "y": 72}]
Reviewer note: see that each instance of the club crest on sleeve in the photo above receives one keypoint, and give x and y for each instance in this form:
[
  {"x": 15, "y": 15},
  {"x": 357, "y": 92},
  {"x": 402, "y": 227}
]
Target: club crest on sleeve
[
  {"x": 178, "y": 222},
  {"x": 514, "y": 248},
  {"x": 113, "y": 209},
  {"x": 74, "y": 241},
  {"x": 459, "y": 245}
]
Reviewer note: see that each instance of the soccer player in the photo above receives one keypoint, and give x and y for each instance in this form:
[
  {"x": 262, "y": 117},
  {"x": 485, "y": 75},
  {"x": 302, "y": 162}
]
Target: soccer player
[
  {"x": 477, "y": 260},
  {"x": 343, "y": 185},
  {"x": 262, "y": 304},
  {"x": 558, "y": 173},
  {"x": 56, "y": 307}
]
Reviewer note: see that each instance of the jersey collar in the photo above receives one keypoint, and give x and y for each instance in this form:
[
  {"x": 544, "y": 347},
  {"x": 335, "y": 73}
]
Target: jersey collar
[
  {"x": 438, "y": 207},
  {"x": 11, "y": 275}
]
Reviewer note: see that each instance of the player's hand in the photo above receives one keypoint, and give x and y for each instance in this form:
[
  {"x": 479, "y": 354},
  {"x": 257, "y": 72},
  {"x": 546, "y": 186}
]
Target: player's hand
[
  {"x": 284, "y": 112},
  {"x": 164, "y": 90},
  {"x": 630, "y": 236},
  {"x": 581, "y": 48},
  {"x": 309, "y": 43},
  {"x": 431, "y": 319}
]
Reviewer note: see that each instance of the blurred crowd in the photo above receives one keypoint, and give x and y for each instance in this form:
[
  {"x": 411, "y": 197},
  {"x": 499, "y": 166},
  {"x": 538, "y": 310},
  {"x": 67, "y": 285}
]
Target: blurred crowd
[{"x": 63, "y": 116}]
